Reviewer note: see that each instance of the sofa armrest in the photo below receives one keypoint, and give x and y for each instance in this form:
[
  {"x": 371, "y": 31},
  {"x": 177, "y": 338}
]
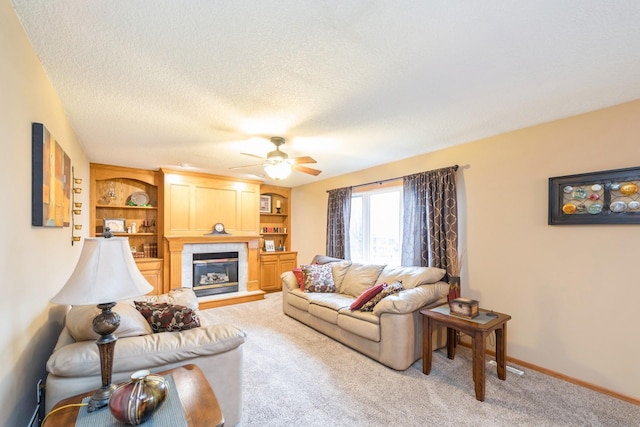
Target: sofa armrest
[
  {"x": 409, "y": 300},
  {"x": 82, "y": 358},
  {"x": 289, "y": 281}
]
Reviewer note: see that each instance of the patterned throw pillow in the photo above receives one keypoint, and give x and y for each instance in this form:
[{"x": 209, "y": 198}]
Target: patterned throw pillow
[
  {"x": 318, "y": 278},
  {"x": 367, "y": 296},
  {"x": 165, "y": 317},
  {"x": 391, "y": 289}
]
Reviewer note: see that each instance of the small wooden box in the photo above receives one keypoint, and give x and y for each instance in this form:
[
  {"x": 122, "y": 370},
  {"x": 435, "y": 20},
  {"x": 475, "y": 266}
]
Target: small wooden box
[{"x": 464, "y": 307}]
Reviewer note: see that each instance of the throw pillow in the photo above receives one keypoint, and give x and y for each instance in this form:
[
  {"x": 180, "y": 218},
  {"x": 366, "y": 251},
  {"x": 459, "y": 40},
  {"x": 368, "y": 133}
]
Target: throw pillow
[
  {"x": 359, "y": 278},
  {"x": 367, "y": 295},
  {"x": 318, "y": 278},
  {"x": 165, "y": 317},
  {"x": 299, "y": 277},
  {"x": 391, "y": 289},
  {"x": 79, "y": 322}
]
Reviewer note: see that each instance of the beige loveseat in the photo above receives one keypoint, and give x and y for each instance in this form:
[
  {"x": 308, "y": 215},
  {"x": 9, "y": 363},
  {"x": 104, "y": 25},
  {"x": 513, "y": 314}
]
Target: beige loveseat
[
  {"x": 392, "y": 332},
  {"x": 74, "y": 366}
]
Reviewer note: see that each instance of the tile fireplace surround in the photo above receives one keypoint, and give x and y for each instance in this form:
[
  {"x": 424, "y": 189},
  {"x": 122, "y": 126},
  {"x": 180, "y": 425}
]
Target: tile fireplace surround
[{"x": 179, "y": 252}]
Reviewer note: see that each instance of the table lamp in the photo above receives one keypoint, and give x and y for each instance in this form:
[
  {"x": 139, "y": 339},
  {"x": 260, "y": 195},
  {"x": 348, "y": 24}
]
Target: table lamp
[{"x": 105, "y": 273}]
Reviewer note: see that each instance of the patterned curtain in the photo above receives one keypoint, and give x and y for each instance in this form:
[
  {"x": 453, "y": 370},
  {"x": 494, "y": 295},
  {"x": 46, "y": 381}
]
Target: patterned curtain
[
  {"x": 430, "y": 227},
  {"x": 338, "y": 217}
]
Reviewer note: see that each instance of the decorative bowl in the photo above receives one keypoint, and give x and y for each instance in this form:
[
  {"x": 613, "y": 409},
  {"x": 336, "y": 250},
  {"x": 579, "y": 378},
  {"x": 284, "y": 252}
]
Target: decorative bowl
[{"x": 135, "y": 401}]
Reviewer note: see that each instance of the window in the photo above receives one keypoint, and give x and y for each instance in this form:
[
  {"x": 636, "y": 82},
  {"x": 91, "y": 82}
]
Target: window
[{"x": 376, "y": 225}]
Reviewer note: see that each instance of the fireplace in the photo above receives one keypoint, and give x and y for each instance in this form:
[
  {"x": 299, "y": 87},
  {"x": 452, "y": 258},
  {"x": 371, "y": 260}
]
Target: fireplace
[{"x": 215, "y": 273}]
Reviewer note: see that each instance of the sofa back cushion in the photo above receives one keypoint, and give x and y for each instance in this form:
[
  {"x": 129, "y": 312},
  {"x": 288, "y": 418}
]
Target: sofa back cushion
[
  {"x": 359, "y": 278},
  {"x": 177, "y": 296},
  {"x": 79, "y": 322},
  {"x": 339, "y": 270},
  {"x": 410, "y": 276}
]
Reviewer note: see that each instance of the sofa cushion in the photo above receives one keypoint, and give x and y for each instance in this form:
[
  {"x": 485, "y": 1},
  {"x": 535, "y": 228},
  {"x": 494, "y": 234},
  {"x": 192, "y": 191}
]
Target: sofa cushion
[
  {"x": 318, "y": 278},
  {"x": 391, "y": 289},
  {"x": 359, "y": 278},
  {"x": 410, "y": 276},
  {"x": 164, "y": 317},
  {"x": 367, "y": 295},
  {"x": 368, "y": 330},
  {"x": 79, "y": 322}
]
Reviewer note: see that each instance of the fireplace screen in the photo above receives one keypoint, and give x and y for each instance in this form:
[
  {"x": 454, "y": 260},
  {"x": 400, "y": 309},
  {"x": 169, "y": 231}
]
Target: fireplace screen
[{"x": 215, "y": 273}]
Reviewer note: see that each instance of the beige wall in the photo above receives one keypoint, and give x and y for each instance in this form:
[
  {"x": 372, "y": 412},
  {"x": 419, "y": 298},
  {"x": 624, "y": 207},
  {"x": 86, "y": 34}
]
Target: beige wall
[
  {"x": 571, "y": 290},
  {"x": 35, "y": 261}
]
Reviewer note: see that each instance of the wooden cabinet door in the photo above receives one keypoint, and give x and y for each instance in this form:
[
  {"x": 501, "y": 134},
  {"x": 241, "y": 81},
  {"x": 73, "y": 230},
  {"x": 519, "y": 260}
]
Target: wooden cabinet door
[
  {"x": 152, "y": 271},
  {"x": 287, "y": 263},
  {"x": 269, "y": 277}
]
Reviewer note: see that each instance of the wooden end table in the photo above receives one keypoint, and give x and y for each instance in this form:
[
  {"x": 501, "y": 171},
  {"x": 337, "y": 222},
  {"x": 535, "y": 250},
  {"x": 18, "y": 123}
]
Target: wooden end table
[
  {"x": 478, "y": 333},
  {"x": 201, "y": 408}
]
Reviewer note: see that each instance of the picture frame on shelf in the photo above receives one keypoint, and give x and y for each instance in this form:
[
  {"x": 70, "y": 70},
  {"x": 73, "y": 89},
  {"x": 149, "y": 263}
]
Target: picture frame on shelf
[
  {"x": 265, "y": 204},
  {"x": 269, "y": 246},
  {"x": 606, "y": 197},
  {"x": 116, "y": 225}
]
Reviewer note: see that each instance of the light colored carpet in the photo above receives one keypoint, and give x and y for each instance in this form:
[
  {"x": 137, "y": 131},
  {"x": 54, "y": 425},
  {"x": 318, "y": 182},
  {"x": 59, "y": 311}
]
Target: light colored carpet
[{"x": 295, "y": 376}]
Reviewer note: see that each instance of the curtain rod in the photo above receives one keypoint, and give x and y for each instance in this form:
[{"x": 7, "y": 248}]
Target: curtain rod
[{"x": 382, "y": 181}]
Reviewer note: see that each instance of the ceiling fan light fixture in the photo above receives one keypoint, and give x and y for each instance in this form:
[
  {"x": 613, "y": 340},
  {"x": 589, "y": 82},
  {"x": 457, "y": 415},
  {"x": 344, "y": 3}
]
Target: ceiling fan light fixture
[{"x": 277, "y": 170}]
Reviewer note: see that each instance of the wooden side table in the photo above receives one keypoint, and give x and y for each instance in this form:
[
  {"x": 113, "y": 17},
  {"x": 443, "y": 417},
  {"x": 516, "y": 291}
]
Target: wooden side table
[
  {"x": 478, "y": 333},
  {"x": 201, "y": 408}
]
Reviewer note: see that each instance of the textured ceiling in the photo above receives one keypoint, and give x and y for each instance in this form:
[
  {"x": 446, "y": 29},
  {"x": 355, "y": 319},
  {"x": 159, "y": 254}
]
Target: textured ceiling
[{"x": 351, "y": 83}]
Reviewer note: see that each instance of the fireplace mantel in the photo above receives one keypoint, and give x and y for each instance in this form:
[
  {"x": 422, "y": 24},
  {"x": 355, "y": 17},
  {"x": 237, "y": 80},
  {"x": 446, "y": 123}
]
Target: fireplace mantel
[{"x": 174, "y": 246}]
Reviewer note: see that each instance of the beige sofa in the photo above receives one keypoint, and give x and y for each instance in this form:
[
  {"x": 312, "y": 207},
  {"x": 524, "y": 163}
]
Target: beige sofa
[
  {"x": 392, "y": 332},
  {"x": 74, "y": 366}
]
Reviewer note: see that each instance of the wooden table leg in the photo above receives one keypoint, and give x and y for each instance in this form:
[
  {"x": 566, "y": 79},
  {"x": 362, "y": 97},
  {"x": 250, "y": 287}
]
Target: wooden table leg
[
  {"x": 427, "y": 346},
  {"x": 501, "y": 351},
  {"x": 451, "y": 343},
  {"x": 478, "y": 348}
]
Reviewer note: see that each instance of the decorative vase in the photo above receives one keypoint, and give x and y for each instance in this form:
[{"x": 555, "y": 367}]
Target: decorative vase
[
  {"x": 454, "y": 287},
  {"x": 133, "y": 402}
]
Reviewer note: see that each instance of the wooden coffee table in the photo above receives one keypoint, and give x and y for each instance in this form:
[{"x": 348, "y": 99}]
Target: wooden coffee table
[
  {"x": 478, "y": 333},
  {"x": 201, "y": 408}
]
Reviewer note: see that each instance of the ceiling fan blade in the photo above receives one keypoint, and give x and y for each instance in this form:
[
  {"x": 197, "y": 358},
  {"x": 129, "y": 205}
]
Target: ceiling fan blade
[
  {"x": 253, "y": 155},
  {"x": 246, "y": 166},
  {"x": 310, "y": 171},
  {"x": 305, "y": 159}
]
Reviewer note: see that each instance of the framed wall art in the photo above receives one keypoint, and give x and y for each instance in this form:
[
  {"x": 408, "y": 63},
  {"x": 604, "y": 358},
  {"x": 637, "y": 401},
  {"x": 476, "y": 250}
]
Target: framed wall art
[
  {"x": 265, "y": 204},
  {"x": 50, "y": 180},
  {"x": 607, "y": 197}
]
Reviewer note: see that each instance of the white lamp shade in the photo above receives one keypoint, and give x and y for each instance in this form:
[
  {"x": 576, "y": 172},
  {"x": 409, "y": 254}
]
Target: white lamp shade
[
  {"x": 278, "y": 169},
  {"x": 106, "y": 272}
]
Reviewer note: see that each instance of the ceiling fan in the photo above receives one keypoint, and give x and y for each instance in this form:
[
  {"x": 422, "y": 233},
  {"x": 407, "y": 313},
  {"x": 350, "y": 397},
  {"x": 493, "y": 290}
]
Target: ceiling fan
[{"x": 278, "y": 165}]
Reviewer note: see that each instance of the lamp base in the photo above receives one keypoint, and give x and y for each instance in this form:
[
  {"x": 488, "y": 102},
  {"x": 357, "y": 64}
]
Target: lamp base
[
  {"x": 105, "y": 325},
  {"x": 101, "y": 397}
]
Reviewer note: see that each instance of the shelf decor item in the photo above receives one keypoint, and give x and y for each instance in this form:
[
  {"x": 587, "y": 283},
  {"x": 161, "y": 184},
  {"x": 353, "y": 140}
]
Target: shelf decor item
[
  {"x": 105, "y": 273},
  {"x": 135, "y": 401},
  {"x": 265, "y": 203},
  {"x": 269, "y": 246},
  {"x": 607, "y": 197},
  {"x": 116, "y": 225},
  {"x": 464, "y": 307}
]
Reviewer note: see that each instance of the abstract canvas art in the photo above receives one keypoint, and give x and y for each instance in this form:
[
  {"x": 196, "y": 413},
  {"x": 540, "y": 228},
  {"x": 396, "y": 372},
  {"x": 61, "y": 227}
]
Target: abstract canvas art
[{"x": 51, "y": 180}]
